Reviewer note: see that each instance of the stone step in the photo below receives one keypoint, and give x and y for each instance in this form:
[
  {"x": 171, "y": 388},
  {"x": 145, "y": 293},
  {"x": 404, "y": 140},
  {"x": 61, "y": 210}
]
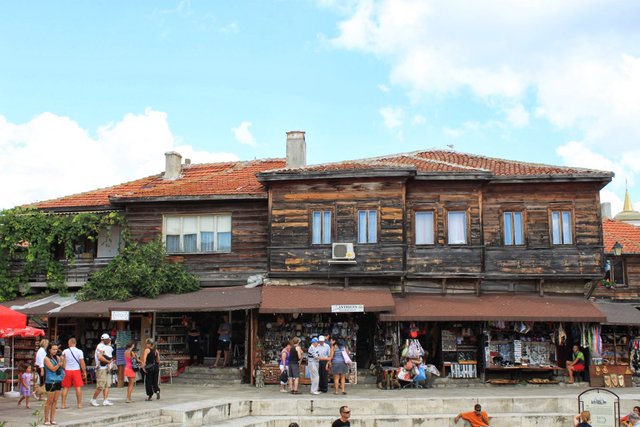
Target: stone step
[
  {"x": 144, "y": 422},
  {"x": 206, "y": 383},
  {"x": 210, "y": 374},
  {"x": 128, "y": 419},
  {"x": 437, "y": 420}
]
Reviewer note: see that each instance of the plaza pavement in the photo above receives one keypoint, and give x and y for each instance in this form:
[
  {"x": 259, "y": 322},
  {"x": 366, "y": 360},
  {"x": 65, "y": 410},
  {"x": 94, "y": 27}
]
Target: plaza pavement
[{"x": 176, "y": 397}]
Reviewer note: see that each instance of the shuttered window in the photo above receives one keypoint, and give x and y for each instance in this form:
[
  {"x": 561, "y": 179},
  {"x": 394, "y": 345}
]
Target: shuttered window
[{"x": 197, "y": 233}]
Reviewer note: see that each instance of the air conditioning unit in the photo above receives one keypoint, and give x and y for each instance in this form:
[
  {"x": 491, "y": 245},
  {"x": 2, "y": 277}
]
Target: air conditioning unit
[{"x": 343, "y": 251}]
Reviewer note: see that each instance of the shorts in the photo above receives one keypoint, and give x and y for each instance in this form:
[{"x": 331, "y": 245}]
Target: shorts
[
  {"x": 72, "y": 379},
  {"x": 578, "y": 367},
  {"x": 103, "y": 378},
  {"x": 224, "y": 345},
  {"x": 293, "y": 371},
  {"x": 54, "y": 386}
]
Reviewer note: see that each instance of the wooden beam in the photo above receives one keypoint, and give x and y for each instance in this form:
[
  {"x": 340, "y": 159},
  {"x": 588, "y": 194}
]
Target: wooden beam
[
  {"x": 541, "y": 287},
  {"x": 444, "y": 286},
  {"x": 478, "y": 287}
]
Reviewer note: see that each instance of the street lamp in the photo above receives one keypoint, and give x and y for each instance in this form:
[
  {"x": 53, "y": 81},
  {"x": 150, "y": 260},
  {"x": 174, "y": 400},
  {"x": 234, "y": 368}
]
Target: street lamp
[{"x": 617, "y": 249}]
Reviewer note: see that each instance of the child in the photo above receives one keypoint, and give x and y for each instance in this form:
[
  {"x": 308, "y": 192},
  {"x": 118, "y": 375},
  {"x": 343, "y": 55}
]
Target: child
[{"x": 25, "y": 386}]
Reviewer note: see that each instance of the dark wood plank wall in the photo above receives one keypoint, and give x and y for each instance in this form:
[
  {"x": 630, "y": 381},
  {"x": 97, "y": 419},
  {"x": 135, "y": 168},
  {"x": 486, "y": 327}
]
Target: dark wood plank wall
[
  {"x": 291, "y": 251},
  {"x": 249, "y": 237},
  {"x": 441, "y": 259},
  {"x": 538, "y": 257}
]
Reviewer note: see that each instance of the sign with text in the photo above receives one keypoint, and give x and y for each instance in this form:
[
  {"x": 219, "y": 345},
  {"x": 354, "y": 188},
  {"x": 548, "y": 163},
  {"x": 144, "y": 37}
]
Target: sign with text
[
  {"x": 122, "y": 316},
  {"x": 347, "y": 308},
  {"x": 603, "y": 405}
]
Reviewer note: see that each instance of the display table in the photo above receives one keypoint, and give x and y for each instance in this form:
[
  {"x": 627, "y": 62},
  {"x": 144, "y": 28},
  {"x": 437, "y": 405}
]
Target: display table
[
  {"x": 517, "y": 372},
  {"x": 598, "y": 374}
]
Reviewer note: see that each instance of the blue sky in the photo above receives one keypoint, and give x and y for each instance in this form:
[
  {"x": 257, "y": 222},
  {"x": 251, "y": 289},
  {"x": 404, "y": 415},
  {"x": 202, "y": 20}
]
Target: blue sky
[{"x": 93, "y": 93}]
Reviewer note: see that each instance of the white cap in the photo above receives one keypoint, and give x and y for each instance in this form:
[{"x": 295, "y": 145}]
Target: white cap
[
  {"x": 321, "y": 338},
  {"x": 105, "y": 337}
]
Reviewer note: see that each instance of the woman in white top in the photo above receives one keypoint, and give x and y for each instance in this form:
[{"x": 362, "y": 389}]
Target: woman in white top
[{"x": 40, "y": 355}]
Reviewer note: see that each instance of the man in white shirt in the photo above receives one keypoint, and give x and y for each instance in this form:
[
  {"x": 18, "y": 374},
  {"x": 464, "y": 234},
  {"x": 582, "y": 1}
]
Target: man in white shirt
[
  {"x": 75, "y": 372},
  {"x": 324, "y": 350},
  {"x": 103, "y": 356}
]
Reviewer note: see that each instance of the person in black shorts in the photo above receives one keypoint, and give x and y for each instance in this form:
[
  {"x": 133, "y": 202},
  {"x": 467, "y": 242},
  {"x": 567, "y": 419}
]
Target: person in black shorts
[
  {"x": 195, "y": 353},
  {"x": 224, "y": 342},
  {"x": 343, "y": 421}
]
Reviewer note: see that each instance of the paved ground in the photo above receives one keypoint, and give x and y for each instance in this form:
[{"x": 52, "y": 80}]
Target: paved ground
[{"x": 175, "y": 394}]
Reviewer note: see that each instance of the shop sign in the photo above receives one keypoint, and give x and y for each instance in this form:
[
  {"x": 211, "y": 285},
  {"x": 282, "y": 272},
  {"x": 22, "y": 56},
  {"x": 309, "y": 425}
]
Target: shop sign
[
  {"x": 122, "y": 316},
  {"x": 347, "y": 308},
  {"x": 604, "y": 406}
]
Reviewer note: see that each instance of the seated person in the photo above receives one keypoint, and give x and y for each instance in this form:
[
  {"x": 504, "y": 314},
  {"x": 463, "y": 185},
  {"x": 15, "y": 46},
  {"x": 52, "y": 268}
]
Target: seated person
[{"x": 575, "y": 365}]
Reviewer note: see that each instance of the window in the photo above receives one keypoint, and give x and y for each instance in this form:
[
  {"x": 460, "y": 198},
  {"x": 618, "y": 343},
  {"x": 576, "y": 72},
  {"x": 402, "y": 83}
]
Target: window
[
  {"x": 198, "y": 233},
  {"x": 561, "y": 233},
  {"x": 513, "y": 228},
  {"x": 457, "y": 227},
  {"x": 614, "y": 270},
  {"x": 424, "y": 228},
  {"x": 321, "y": 227},
  {"x": 367, "y": 226}
]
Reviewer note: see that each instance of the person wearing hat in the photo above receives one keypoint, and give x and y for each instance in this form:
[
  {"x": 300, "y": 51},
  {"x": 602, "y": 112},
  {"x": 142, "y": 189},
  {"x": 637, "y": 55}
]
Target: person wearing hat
[
  {"x": 324, "y": 350},
  {"x": 313, "y": 364},
  {"x": 103, "y": 357}
]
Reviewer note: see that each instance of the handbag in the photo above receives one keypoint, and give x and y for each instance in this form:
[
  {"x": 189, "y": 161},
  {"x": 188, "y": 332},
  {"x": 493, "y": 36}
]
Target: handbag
[
  {"x": 284, "y": 377},
  {"x": 346, "y": 357},
  {"x": 135, "y": 364}
]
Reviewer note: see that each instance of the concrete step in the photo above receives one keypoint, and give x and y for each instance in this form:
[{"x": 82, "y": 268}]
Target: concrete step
[
  {"x": 206, "y": 383},
  {"x": 437, "y": 420},
  {"x": 144, "y": 422},
  {"x": 128, "y": 419},
  {"x": 210, "y": 374}
]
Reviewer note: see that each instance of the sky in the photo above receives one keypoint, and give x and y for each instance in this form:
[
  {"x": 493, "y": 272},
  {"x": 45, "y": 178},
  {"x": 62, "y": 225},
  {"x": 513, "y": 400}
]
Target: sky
[{"x": 93, "y": 94}]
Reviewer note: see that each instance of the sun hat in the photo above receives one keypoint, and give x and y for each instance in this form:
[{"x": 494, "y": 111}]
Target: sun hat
[{"x": 105, "y": 337}]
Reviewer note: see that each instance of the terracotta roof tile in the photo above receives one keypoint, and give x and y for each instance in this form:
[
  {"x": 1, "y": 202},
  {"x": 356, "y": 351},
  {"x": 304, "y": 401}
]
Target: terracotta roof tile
[
  {"x": 433, "y": 161},
  {"x": 616, "y": 231},
  {"x": 212, "y": 179}
]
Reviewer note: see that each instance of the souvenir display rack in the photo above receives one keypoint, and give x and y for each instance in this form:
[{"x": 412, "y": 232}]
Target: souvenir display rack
[
  {"x": 171, "y": 336},
  {"x": 459, "y": 353}
]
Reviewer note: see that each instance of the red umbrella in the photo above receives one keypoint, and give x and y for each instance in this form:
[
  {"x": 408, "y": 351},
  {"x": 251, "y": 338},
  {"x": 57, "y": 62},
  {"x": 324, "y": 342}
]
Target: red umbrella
[
  {"x": 11, "y": 318},
  {"x": 14, "y": 324}
]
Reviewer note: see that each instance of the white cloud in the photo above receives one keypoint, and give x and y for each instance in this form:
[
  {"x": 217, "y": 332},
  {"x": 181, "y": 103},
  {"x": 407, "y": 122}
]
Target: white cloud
[
  {"x": 52, "y": 156},
  {"x": 419, "y": 119},
  {"x": 243, "y": 135},
  {"x": 452, "y": 133},
  {"x": 517, "y": 116},
  {"x": 384, "y": 88},
  {"x": 392, "y": 116}
]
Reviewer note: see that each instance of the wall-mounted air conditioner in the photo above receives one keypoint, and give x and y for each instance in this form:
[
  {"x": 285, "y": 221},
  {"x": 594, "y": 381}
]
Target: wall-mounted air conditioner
[{"x": 343, "y": 251}]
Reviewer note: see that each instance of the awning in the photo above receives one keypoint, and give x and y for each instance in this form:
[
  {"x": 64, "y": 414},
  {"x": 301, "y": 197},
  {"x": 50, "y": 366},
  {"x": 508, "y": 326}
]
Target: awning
[
  {"x": 306, "y": 299},
  {"x": 507, "y": 307},
  {"x": 207, "y": 299},
  {"x": 620, "y": 313}
]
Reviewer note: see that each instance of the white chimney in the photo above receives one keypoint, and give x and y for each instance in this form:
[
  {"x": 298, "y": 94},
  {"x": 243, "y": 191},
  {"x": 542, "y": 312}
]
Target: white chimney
[
  {"x": 173, "y": 165},
  {"x": 296, "y": 149},
  {"x": 605, "y": 210}
]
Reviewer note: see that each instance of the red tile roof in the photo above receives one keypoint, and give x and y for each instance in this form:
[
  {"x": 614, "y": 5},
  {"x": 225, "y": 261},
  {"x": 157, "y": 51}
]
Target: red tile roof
[
  {"x": 616, "y": 231},
  {"x": 212, "y": 179},
  {"x": 437, "y": 161}
]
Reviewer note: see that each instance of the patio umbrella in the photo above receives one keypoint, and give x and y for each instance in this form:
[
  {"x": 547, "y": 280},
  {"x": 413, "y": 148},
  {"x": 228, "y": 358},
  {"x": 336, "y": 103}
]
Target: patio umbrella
[{"x": 10, "y": 317}]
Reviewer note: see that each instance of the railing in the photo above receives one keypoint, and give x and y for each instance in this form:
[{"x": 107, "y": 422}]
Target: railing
[{"x": 77, "y": 272}]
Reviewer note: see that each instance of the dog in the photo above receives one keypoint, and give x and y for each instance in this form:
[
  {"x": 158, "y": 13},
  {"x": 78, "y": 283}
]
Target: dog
[{"x": 259, "y": 377}]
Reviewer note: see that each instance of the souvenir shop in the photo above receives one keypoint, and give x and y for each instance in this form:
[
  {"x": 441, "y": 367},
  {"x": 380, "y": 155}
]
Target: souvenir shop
[{"x": 306, "y": 312}]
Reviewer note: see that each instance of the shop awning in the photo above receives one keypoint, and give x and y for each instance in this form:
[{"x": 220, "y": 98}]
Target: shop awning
[
  {"x": 207, "y": 299},
  {"x": 308, "y": 299},
  {"x": 507, "y": 307},
  {"x": 620, "y": 313}
]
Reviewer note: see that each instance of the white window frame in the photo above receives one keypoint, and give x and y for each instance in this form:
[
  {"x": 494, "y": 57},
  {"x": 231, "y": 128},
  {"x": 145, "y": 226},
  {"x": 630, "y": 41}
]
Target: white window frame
[
  {"x": 450, "y": 237},
  {"x": 370, "y": 230},
  {"x": 217, "y": 220},
  {"x": 323, "y": 234},
  {"x": 561, "y": 232},
  {"x": 426, "y": 238},
  {"x": 509, "y": 224}
]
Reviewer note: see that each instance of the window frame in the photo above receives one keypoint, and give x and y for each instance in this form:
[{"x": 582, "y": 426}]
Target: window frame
[
  {"x": 433, "y": 226},
  {"x": 199, "y": 216},
  {"x": 523, "y": 231},
  {"x": 322, "y": 210},
  {"x": 466, "y": 226},
  {"x": 368, "y": 211},
  {"x": 562, "y": 209},
  {"x": 612, "y": 272}
]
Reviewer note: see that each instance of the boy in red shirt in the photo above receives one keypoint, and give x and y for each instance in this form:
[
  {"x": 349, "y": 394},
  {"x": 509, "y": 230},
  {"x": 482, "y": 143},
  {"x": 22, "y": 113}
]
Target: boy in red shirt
[{"x": 477, "y": 418}]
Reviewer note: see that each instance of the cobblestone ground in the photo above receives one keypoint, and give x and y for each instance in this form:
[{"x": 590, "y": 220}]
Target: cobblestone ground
[{"x": 173, "y": 394}]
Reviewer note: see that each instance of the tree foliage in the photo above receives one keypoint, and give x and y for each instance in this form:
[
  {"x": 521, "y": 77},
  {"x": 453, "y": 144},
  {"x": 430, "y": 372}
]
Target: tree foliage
[
  {"x": 140, "y": 269},
  {"x": 31, "y": 242}
]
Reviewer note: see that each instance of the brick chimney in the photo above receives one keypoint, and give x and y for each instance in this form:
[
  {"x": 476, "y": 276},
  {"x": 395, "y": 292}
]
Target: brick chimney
[
  {"x": 296, "y": 149},
  {"x": 173, "y": 165}
]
